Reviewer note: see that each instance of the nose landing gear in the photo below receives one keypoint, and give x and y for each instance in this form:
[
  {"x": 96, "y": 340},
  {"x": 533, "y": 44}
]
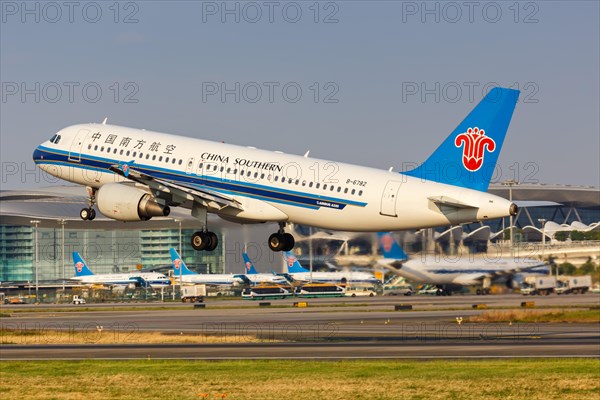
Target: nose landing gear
[{"x": 88, "y": 214}]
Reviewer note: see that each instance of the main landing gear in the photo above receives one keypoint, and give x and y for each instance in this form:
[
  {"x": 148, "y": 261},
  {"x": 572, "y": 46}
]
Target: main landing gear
[
  {"x": 88, "y": 214},
  {"x": 281, "y": 241},
  {"x": 204, "y": 240}
]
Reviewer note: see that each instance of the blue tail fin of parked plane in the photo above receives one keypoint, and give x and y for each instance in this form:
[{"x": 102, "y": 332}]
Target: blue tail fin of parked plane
[
  {"x": 81, "y": 268},
  {"x": 390, "y": 248},
  {"x": 248, "y": 266},
  {"x": 293, "y": 264},
  {"x": 467, "y": 158},
  {"x": 179, "y": 267}
]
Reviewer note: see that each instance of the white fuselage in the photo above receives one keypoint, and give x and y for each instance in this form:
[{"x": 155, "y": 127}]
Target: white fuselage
[
  {"x": 209, "y": 279},
  {"x": 335, "y": 277},
  {"x": 152, "y": 278},
  {"x": 270, "y": 186},
  {"x": 441, "y": 270}
]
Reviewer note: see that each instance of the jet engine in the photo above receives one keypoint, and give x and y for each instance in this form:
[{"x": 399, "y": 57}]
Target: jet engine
[{"x": 128, "y": 203}]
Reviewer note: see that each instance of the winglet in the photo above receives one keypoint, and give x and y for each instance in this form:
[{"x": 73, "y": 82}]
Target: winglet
[
  {"x": 125, "y": 167},
  {"x": 81, "y": 268}
]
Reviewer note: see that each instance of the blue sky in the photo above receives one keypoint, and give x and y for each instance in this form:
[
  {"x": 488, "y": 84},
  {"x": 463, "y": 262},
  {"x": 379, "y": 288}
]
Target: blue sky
[{"x": 158, "y": 64}]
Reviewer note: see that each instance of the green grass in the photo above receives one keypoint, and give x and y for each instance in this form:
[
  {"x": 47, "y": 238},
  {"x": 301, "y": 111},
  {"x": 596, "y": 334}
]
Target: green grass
[
  {"x": 157, "y": 379},
  {"x": 539, "y": 316}
]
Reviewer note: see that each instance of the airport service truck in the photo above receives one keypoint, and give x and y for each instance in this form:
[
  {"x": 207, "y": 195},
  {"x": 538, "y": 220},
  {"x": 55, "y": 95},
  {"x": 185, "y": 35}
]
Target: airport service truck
[
  {"x": 193, "y": 293},
  {"x": 78, "y": 299},
  {"x": 573, "y": 284},
  {"x": 541, "y": 284}
]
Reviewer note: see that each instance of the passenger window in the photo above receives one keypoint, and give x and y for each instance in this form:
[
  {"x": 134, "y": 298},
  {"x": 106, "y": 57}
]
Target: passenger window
[
  {"x": 120, "y": 153},
  {"x": 180, "y": 161},
  {"x": 89, "y": 146},
  {"x": 134, "y": 154},
  {"x": 128, "y": 153},
  {"x": 346, "y": 190},
  {"x": 353, "y": 191},
  {"x": 154, "y": 157},
  {"x": 317, "y": 186},
  {"x": 324, "y": 187},
  {"x": 160, "y": 159},
  {"x": 360, "y": 193},
  {"x": 167, "y": 160},
  {"x": 95, "y": 147}
]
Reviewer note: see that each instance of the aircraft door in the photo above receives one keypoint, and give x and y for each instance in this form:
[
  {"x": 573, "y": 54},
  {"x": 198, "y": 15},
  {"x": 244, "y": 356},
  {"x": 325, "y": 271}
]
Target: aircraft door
[
  {"x": 77, "y": 144},
  {"x": 189, "y": 166},
  {"x": 389, "y": 198}
]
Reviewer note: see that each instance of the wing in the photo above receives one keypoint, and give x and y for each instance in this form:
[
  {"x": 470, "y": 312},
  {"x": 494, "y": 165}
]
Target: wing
[{"x": 179, "y": 193}]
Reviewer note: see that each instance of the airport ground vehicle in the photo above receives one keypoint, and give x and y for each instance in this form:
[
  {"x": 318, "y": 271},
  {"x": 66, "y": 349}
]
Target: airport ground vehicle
[
  {"x": 542, "y": 285},
  {"x": 78, "y": 299},
  {"x": 354, "y": 291},
  {"x": 319, "y": 290},
  {"x": 573, "y": 284},
  {"x": 263, "y": 292},
  {"x": 399, "y": 290},
  {"x": 193, "y": 293}
]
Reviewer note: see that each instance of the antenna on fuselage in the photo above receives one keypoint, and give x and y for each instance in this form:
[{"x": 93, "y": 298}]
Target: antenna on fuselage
[
  {"x": 104, "y": 121},
  {"x": 306, "y": 154}
]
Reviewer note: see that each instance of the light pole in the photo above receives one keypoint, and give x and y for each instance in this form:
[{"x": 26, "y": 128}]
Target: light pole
[
  {"x": 180, "y": 248},
  {"x": 510, "y": 183},
  {"x": 35, "y": 238},
  {"x": 62, "y": 223},
  {"x": 543, "y": 222}
]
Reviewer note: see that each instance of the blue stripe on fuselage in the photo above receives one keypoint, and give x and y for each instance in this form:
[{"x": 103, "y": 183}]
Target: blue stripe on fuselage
[{"x": 52, "y": 156}]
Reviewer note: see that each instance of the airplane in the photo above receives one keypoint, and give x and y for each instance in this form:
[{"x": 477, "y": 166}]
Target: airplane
[
  {"x": 255, "y": 277},
  {"x": 135, "y": 174},
  {"x": 183, "y": 273},
  {"x": 297, "y": 272},
  {"x": 447, "y": 273},
  {"x": 84, "y": 275}
]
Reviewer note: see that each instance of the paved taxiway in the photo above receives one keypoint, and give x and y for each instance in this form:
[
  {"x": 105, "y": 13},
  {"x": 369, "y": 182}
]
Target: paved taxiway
[{"x": 328, "y": 328}]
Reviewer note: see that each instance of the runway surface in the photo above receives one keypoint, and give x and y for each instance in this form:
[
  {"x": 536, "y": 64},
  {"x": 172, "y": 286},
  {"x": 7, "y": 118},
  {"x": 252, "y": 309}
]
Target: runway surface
[{"x": 327, "y": 329}]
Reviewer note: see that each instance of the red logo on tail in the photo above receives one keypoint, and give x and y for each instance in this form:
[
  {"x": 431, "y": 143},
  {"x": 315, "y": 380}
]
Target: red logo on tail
[
  {"x": 291, "y": 260},
  {"x": 177, "y": 263},
  {"x": 79, "y": 266},
  {"x": 475, "y": 143},
  {"x": 386, "y": 242}
]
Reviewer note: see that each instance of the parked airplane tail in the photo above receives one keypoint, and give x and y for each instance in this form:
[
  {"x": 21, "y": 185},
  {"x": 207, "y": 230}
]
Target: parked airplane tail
[
  {"x": 467, "y": 158},
  {"x": 293, "y": 264},
  {"x": 81, "y": 268},
  {"x": 390, "y": 248},
  {"x": 248, "y": 266},
  {"x": 179, "y": 267}
]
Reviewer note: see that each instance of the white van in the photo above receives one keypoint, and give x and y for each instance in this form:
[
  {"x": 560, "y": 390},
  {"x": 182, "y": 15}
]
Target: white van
[{"x": 354, "y": 291}]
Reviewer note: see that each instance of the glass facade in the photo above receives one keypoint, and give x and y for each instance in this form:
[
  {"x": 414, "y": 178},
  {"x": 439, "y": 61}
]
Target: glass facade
[{"x": 104, "y": 251}]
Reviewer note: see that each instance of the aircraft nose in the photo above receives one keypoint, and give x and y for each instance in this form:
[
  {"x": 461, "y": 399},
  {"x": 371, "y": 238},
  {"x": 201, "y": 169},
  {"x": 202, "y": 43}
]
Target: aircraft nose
[{"x": 37, "y": 155}]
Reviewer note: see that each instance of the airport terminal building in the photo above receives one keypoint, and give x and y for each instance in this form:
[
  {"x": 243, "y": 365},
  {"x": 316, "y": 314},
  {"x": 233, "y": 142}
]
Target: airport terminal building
[{"x": 52, "y": 214}]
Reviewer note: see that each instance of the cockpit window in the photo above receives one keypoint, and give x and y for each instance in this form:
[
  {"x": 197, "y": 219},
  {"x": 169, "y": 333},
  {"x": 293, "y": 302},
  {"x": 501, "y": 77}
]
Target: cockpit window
[
  {"x": 53, "y": 137},
  {"x": 57, "y": 139}
]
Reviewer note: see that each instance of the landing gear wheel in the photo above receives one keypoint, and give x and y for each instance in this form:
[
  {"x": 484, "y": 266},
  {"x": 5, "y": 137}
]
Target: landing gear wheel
[
  {"x": 281, "y": 242},
  {"x": 486, "y": 291},
  {"x": 87, "y": 214},
  {"x": 478, "y": 292},
  {"x": 289, "y": 242},
  {"x": 276, "y": 242},
  {"x": 213, "y": 239},
  {"x": 200, "y": 241}
]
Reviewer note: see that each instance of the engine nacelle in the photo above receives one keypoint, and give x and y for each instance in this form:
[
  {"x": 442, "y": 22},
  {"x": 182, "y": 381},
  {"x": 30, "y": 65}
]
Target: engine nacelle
[{"x": 127, "y": 203}]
